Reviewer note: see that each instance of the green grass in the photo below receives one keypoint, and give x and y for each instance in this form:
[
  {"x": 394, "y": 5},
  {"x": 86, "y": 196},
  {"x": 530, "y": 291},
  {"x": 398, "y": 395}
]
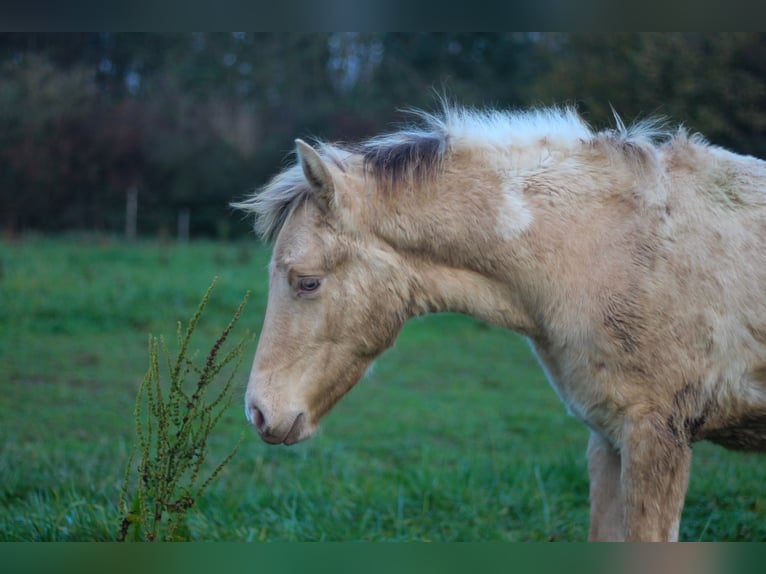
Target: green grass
[{"x": 455, "y": 435}]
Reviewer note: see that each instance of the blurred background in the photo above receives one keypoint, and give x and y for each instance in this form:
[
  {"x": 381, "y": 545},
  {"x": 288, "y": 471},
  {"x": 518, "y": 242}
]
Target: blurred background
[
  {"x": 119, "y": 157},
  {"x": 154, "y": 134}
]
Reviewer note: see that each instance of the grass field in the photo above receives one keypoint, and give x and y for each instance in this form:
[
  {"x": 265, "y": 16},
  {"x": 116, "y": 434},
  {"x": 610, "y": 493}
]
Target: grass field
[{"x": 454, "y": 436}]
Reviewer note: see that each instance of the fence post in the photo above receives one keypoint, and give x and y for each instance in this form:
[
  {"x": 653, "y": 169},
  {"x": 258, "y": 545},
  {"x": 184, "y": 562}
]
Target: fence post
[
  {"x": 184, "y": 217},
  {"x": 131, "y": 213}
]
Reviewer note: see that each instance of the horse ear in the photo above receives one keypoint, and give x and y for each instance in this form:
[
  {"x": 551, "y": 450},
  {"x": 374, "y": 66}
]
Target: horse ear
[{"x": 316, "y": 172}]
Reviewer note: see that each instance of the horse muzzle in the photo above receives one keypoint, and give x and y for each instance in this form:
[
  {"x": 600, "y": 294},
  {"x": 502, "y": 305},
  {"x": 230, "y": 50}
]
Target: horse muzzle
[{"x": 288, "y": 430}]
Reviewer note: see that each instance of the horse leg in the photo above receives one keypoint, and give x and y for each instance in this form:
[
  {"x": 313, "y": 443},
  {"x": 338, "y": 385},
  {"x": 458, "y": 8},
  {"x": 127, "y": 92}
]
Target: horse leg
[
  {"x": 655, "y": 476},
  {"x": 606, "y": 504}
]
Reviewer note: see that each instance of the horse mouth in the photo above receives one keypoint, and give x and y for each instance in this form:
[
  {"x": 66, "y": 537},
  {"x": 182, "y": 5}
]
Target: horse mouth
[
  {"x": 291, "y": 437},
  {"x": 294, "y": 434}
]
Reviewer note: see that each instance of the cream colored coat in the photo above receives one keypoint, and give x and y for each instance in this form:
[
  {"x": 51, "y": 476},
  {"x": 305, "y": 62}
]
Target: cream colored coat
[{"x": 634, "y": 260}]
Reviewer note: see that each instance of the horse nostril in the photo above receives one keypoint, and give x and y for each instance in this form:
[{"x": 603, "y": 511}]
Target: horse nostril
[{"x": 258, "y": 419}]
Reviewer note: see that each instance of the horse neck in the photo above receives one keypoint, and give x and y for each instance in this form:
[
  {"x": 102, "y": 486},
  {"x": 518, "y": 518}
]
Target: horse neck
[
  {"x": 436, "y": 288},
  {"x": 460, "y": 239},
  {"x": 482, "y": 241}
]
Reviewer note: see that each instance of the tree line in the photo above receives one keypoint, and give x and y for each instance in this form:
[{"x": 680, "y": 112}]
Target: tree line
[{"x": 185, "y": 123}]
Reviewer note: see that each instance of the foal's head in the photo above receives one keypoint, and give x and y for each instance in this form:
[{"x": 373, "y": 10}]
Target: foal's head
[{"x": 338, "y": 295}]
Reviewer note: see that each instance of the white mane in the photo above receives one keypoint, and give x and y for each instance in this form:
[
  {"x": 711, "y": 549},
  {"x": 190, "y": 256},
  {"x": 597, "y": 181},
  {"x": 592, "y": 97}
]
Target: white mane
[{"x": 491, "y": 128}]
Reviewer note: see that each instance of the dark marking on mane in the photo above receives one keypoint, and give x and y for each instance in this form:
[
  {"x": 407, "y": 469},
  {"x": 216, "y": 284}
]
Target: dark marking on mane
[{"x": 404, "y": 158}]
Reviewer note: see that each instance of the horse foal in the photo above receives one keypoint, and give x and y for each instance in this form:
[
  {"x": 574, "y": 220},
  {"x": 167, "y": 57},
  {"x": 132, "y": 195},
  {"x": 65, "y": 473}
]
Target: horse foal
[{"x": 633, "y": 259}]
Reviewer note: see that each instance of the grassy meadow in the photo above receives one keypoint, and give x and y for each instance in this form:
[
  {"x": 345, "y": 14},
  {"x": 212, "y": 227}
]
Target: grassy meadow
[{"x": 455, "y": 435}]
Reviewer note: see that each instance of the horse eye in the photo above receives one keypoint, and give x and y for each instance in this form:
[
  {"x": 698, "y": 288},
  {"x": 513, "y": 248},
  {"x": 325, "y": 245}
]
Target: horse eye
[{"x": 308, "y": 284}]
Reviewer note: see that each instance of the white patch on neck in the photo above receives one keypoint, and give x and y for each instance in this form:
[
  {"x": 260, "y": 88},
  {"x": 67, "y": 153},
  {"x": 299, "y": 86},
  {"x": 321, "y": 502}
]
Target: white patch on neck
[{"x": 513, "y": 216}]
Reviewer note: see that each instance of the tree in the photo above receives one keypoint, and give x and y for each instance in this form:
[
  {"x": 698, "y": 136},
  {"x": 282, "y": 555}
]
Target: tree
[
  {"x": 197, "y": 120},
  {"x": 713, "y": 83}
]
